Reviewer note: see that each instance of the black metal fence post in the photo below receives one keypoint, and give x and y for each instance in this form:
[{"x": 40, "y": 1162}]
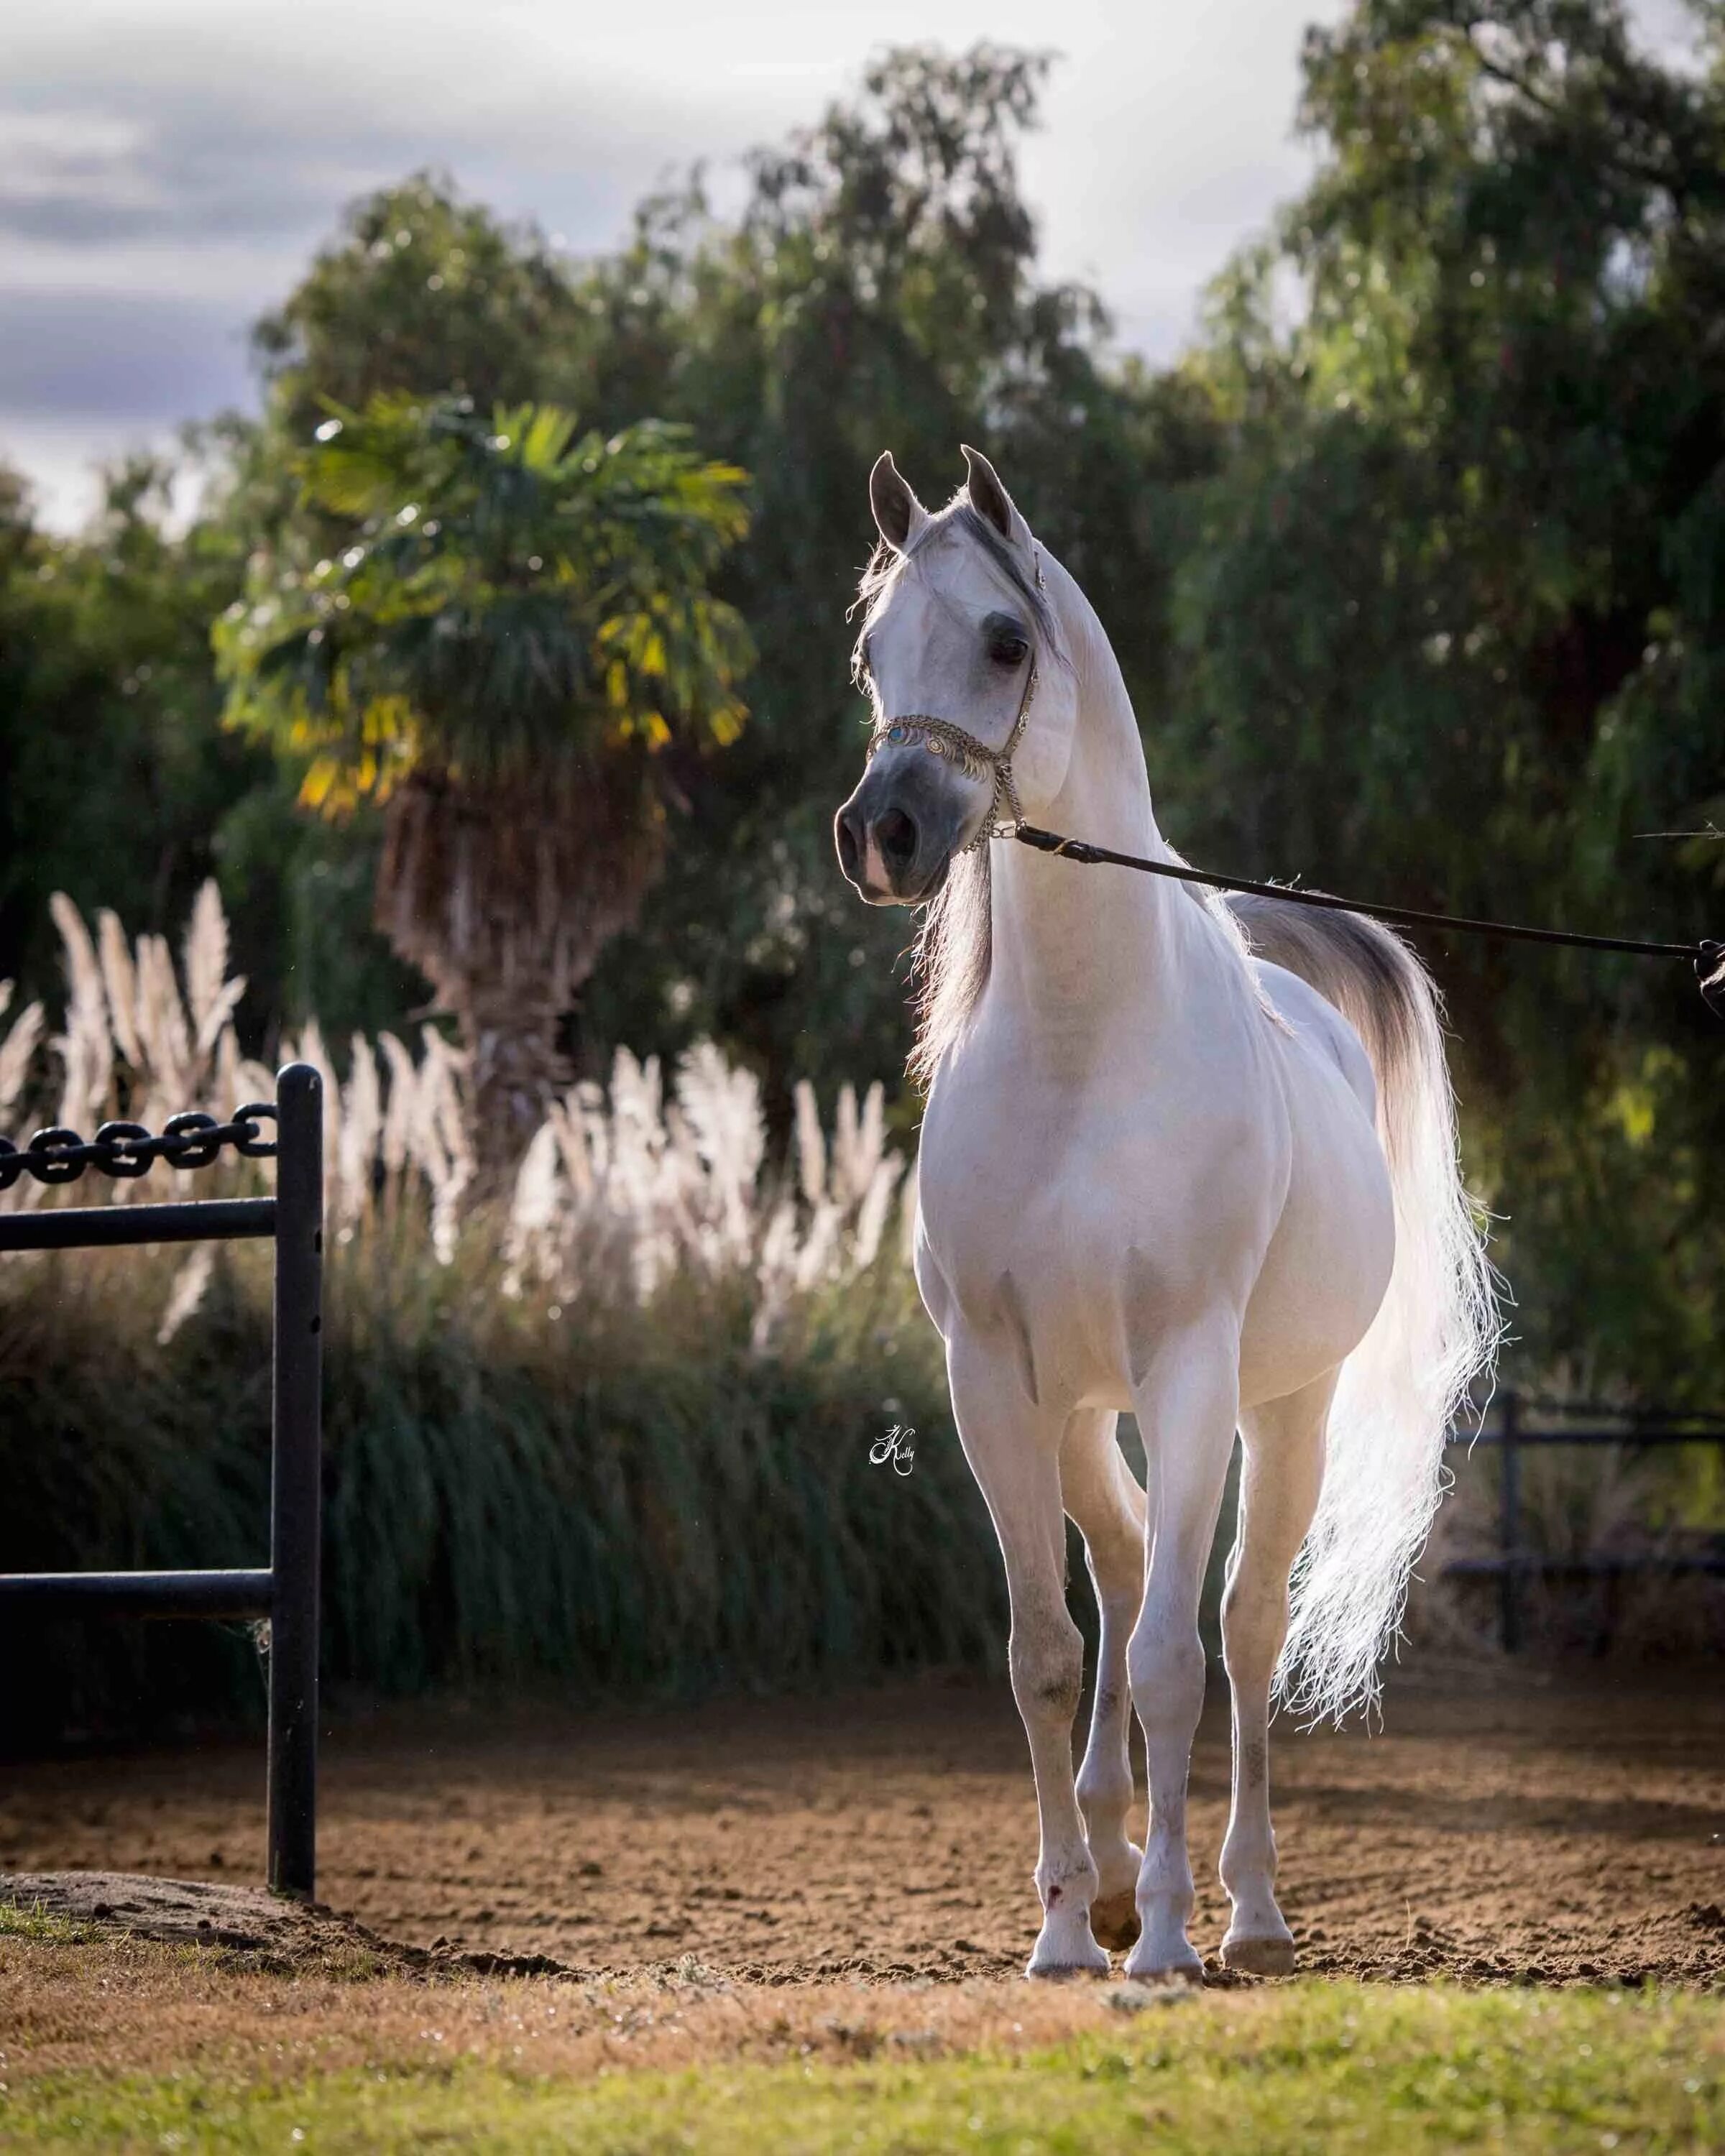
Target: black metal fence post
[
  {"x": 287, "y": 1594},
  {"x": 1509, "y": 1527},
  {"x": 296, "y": 1496}
]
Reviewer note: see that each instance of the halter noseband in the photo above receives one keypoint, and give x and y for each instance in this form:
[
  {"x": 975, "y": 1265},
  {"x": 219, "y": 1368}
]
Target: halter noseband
[{"x": 973, "y": 757}]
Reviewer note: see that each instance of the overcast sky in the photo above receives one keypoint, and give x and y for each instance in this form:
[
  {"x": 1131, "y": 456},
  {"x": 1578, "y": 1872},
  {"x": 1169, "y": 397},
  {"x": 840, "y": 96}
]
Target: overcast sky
[{"x": 167, "y": 165}]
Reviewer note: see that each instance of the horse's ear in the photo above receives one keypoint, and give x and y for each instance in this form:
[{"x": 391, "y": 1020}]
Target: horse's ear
[
  {"x": 898, "y": 514},
  {"x": 989, "y": 498}
]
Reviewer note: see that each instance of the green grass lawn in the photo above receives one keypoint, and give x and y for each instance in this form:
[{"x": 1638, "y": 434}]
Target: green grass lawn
[{"x": 1318, "y": 2068}]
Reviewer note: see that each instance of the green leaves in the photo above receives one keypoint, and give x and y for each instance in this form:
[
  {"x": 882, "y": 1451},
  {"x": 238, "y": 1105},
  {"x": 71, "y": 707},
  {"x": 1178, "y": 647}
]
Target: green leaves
[
  {"x": 512, "y": 589},
  {"x": 1452, "y": 623}
]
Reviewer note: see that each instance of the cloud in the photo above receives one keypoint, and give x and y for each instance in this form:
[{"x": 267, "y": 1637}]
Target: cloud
[
  {"x": 165, "y": 171},
  {"x": 145, "y": 358}
]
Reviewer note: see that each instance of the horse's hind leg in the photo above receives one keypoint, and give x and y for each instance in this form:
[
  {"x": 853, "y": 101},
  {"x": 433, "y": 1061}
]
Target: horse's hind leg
[
  {"x": 1283, "y": 1469},
  {"x": 1014, "y": 1448},
  {"x": 1103, "y": 1496}
]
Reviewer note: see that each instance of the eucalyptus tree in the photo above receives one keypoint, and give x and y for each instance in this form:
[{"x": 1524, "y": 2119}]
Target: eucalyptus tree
[
  {"x": 1451, "y": 621},
  {"x": 518, "y": 653},
  {"x": 879, "y": 285}
]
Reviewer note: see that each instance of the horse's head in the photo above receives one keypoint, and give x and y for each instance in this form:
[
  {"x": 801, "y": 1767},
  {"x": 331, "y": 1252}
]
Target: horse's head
[{"x": 973, "y": 707}]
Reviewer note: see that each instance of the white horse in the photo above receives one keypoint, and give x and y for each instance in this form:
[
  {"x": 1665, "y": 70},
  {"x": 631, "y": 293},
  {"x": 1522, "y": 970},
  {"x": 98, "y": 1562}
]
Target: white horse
[{"x": 1166, "y": 1169}]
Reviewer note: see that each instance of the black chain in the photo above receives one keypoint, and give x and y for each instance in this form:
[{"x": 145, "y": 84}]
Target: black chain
[{"x": 125, "y": 1151}]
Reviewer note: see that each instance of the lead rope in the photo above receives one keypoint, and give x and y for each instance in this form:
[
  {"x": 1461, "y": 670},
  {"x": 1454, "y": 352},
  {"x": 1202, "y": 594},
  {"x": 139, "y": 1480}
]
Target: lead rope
[
  {"x": 1707, "y": 956},
  {"x": 976, "y": 759}
]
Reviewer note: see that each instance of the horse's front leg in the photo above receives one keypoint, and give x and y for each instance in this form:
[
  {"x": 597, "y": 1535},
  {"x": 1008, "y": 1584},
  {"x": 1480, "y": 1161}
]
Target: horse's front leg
[
  {"x": 1188, "y": 1405},
  {"x": 1014, "y": 1448},
  {"x": 1102, "y": 1494}
]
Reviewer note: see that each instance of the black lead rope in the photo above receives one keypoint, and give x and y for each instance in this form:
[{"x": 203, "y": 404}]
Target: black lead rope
[{"x": 1707, "y": 956}]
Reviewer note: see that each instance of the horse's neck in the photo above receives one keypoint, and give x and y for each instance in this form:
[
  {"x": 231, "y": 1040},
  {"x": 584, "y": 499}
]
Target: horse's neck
[{"x": 1076, "y": 946}]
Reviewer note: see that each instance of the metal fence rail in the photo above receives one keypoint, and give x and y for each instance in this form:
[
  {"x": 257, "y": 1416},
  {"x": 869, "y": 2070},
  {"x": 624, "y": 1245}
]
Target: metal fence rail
[
  {"x": 1515, "y": 1563},
  {"x": 286, "y": 1592}
]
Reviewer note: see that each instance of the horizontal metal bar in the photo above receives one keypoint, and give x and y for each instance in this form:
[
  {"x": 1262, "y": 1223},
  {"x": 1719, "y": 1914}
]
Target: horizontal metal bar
[
  {"x": 102, "y": 1227},
  {"x": 1578, "y": 1568},
  {"x": 1603, "y": 1411},
  {"x": 1660, "y": 1434},
  {"x": 138, "y": 1594}
]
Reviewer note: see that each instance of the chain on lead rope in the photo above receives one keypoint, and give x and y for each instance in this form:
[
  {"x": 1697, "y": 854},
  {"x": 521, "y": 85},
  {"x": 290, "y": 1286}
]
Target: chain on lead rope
[{"x": 125, "y": 1151}]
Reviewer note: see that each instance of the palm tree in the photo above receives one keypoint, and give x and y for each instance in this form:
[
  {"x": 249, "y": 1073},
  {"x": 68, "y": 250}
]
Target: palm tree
[{"x": 511, "y": 625}]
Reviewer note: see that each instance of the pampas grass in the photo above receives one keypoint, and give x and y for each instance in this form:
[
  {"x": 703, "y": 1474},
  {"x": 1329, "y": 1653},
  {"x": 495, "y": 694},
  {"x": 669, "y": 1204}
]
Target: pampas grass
[{"x": 608, "y": 1429}]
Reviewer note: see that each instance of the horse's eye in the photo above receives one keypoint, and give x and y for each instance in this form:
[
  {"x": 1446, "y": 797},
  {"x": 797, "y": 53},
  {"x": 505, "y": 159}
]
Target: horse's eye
[{"x": 1008, "y": 650}]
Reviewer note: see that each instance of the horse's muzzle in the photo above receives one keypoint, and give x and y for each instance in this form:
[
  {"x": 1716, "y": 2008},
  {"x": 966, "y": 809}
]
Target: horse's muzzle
[{"x": 895, "y": 840}]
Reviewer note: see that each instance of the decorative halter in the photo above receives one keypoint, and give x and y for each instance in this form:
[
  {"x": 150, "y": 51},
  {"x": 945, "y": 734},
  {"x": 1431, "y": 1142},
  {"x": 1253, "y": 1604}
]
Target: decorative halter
[{"x": 973, "y": 757}]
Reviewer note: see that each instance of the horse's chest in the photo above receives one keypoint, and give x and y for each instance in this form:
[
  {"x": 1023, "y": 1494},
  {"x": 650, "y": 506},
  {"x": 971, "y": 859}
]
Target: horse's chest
[{"x": 1100, "y": 1233}]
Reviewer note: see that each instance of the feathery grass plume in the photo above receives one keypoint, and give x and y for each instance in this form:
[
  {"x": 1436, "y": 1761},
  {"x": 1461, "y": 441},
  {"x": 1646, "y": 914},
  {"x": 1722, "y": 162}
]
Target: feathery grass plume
[
  {"x": 120, "y": 980},
  {"x": 443, "y": 1148},
  {"x": 211, "y": 996},
  {"x": 811, "y": 1144},
  {"x": 85, "y": 1048},
  {"x": 359, "y": 1143},
  {"x": 16, "y": 1049},
  {"x": 532, "y": 1211},
  {"x": 872, "y": 1213},
  {"x": 401, "y": 1114},
  {"x": 169, "y": 1070},
  {"x": 721, "y": 1108},
  {"x": 190, "y": 1283}
]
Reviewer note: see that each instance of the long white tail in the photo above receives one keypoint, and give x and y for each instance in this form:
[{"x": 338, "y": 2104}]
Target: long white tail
[{"x": 1436, "y": 1332}]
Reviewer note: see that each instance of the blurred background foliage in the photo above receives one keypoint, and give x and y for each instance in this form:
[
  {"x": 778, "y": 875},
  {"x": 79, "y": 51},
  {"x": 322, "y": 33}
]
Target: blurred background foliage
[{"x": 1415, "y": 564}]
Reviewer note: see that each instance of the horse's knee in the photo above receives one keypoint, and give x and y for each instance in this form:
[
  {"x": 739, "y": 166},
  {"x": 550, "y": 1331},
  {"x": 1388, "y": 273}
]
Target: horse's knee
[
  {"x": 1047, "y": 1664},
  {"x": 1166, "y": 1664}
]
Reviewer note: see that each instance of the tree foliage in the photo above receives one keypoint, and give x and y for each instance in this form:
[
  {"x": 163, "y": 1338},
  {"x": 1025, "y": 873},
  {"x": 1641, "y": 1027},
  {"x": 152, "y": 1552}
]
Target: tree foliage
[
  {"x": 1471, "y": 513},
  {"x": 1418, "y": 581},
  {"x": 114, "y": 776}
]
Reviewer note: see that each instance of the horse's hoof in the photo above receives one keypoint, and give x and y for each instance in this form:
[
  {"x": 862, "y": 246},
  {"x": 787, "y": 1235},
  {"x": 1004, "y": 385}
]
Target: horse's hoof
[
  {"x": 1114, "y": 1920},
  {"x": 1258, "y": 1957},
  {"x": 1179, "y": 1972},
  {"x": 1072, "y": 1953},
  {"x": 1181, "y": 1966}
]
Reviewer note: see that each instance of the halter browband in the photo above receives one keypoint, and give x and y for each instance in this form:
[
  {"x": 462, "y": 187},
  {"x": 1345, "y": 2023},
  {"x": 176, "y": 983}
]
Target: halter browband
[{"x": 973, "y": 757}]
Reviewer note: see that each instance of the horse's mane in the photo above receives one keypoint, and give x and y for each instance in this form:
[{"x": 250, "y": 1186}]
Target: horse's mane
[{"x": 954, "y": 949}]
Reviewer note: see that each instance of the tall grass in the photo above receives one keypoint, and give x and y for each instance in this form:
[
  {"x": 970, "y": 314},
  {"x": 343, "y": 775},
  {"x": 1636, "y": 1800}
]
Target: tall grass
[{"x": 610, "y": 1427}]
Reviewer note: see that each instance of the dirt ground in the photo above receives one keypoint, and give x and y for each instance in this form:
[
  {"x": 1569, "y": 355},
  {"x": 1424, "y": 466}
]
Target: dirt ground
[{"x": 1498, "y": 1828}]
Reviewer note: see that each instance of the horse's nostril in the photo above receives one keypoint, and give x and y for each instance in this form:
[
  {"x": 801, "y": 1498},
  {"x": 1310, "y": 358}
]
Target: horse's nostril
[
  {"x": 897, "y": 833},
  {"x": 845, "y": 837}
]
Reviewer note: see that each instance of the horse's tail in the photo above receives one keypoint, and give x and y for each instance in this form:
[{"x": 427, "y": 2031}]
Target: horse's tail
[{"x": 1435, "y": 1332}]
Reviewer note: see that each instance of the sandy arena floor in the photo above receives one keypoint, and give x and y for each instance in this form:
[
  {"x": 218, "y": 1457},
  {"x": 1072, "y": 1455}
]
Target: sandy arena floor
[{"x": 1498, "y": 1828}]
